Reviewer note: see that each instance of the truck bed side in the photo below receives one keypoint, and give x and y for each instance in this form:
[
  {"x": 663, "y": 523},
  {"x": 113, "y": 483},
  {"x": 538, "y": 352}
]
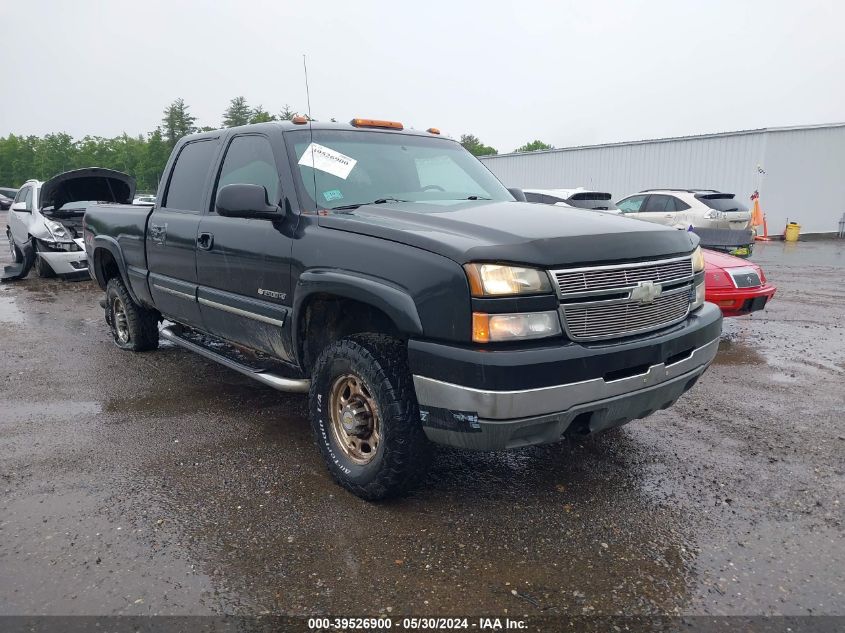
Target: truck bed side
[{"x": 115, "y": 237}]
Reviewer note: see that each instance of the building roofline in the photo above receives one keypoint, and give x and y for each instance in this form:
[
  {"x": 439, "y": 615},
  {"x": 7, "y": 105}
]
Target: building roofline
[{"x": 669, "y": 139}]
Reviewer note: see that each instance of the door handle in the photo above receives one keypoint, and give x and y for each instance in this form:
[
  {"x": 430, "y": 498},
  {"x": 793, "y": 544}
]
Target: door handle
[{"x": 205, "y": 241}]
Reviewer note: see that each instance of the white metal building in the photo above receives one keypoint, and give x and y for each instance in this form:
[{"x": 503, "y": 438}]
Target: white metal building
[{"x": 804, "y": 179}]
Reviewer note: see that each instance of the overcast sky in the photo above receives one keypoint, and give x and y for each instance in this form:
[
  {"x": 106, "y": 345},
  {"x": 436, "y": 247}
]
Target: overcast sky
[{"x": 568, "y": 73}]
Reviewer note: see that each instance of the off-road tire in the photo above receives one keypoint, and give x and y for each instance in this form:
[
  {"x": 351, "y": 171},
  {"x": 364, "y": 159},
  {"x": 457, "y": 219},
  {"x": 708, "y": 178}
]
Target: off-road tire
[
  {"x": 17, "y": 255},
  {"x": 403, "y": 453},
  {"x": 141, "y": 324}
]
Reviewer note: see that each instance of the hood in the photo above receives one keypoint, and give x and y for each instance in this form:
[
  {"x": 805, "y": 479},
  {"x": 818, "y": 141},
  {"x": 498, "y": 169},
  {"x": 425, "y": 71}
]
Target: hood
[
  {"x": 91, "y": 183},
  {"x": 715, "y": 260},
  {"x": 516, "y": 232}
]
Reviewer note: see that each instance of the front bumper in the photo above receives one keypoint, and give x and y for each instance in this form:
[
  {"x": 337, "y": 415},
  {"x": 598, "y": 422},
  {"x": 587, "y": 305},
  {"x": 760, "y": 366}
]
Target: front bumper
[
  {"x": 67, "y": 263},
  {"x": 739, "y": 301},
  {"x": 613, "y": 386}
]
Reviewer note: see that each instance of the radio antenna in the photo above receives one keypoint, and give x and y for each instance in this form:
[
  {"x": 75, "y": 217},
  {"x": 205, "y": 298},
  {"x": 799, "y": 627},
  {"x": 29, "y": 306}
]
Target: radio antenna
[{"x": 310, "y": 126}]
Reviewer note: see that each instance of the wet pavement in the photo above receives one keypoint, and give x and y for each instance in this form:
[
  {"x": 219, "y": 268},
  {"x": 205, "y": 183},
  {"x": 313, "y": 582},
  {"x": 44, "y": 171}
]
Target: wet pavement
[{"x": 161, "y": 483}]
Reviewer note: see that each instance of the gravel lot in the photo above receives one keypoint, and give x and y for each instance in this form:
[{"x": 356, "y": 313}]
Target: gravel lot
[{"x": 161, "y": 483}]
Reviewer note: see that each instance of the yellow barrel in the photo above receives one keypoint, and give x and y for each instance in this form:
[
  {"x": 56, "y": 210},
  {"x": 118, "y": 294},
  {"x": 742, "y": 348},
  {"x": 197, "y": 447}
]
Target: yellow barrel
[{"x": 792, "y": 231}]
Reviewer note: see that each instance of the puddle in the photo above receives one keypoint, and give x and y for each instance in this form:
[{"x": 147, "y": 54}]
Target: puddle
[
  {"x": 733, "y": 352},
  {"x": 9, "y": 311}
]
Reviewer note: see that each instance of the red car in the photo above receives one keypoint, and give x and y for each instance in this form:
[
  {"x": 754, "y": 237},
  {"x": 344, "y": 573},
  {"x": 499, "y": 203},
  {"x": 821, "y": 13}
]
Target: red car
[{"x": 735, "y": 285}]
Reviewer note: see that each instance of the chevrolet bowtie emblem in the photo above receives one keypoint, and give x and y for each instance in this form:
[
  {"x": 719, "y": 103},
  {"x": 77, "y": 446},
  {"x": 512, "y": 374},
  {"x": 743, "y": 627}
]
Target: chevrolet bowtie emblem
[{"x": 646, "y": 292}]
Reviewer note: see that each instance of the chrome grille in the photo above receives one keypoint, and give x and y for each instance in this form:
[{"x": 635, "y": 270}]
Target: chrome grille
[
  {"x": 605, "y": 302},
  {"x": 621, "y": 277},
  {"x": 612, "y": 319}
]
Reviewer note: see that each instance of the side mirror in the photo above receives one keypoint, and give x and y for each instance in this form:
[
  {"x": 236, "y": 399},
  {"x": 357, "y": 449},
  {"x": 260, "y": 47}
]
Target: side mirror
[
  {"x": 19, "y": 206},
  {"x": 246, "y": 201},
  {"x": 518, "y": 194}
]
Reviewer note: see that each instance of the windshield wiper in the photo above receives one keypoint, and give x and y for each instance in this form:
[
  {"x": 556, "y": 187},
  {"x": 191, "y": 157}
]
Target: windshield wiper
[
  {"x": 358, "y": 204},
  {"x": 476, "y": 198}
]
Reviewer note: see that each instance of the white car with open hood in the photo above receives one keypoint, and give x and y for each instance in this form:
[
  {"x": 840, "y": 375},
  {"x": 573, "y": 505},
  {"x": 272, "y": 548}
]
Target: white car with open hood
[{"x": 45, "y": 220}]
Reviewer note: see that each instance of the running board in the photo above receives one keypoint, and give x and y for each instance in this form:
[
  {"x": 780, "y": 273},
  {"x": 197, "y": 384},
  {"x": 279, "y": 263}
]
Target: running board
[{"x": 292, "y": 385}]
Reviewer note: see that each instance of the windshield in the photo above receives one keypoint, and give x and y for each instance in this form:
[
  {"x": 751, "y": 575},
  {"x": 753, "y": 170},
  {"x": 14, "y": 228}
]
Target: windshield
[{"x": 354, "y": 167}]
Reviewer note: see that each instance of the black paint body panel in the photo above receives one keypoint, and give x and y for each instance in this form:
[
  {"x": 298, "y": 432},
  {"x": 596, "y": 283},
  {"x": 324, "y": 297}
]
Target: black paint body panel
[{"x": 403, "y": 259}]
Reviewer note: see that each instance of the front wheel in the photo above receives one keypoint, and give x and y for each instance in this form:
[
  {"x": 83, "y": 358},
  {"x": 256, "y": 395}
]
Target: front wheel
[
  {"x": 133, "y": 327},
  {"x": 17, "y": 256},
  {"x": 365, "y": 417}
]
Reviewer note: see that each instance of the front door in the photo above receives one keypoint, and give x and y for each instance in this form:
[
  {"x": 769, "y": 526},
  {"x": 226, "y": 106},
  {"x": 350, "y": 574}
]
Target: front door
[
  {"x": 632, "y": 205},
  {"x": 19, "y": 221},
  {"x": 172, "y": 234},
  {"x": 243, "y": 265}
]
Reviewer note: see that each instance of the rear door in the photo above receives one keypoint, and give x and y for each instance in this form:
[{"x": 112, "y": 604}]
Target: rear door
[
  {"x": 659, "y": 208},
  {"x": 171, "y": 236},
  {"x": 243, "y": 265}
]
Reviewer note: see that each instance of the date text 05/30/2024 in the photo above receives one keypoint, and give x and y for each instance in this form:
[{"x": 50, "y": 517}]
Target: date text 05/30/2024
[{"x": 422, "y": 624}]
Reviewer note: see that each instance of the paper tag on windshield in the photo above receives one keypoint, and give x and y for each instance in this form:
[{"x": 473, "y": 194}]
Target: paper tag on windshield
[{"x": 327, "y": 160}]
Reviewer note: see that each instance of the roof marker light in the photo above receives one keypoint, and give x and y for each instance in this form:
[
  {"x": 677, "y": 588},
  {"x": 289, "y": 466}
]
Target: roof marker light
[{"x": 392, "y": 125}]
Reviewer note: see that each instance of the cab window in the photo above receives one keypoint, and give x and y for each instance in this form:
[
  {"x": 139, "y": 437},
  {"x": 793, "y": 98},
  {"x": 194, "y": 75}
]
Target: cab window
[
  {"x": 187, "y": 181},
  {"x": 249, "y": 161},
  {"x": 631, "y": 205}
]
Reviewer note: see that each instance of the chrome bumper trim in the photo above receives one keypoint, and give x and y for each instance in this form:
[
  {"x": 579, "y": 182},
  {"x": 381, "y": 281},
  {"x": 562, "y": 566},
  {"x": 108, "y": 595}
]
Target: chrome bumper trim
[{"x": 508, "y": 405}]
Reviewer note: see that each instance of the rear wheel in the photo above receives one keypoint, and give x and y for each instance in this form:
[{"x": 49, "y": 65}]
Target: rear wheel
[
  {"x": 133, "y": 327},
  {"x": 365, "y": 417}
]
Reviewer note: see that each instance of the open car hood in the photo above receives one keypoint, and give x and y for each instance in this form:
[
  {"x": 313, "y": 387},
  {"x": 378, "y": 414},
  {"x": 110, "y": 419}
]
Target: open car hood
[{"x": 90, "y": 183}]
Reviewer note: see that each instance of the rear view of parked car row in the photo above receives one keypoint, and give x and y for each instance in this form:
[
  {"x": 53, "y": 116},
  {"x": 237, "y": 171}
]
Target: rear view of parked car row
[
  {"x": 722, "y": 222},
  {"x": 387, "y": 274}
]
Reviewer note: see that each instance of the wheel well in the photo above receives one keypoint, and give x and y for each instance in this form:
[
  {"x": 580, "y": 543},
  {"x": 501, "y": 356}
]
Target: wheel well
[
  {"x": 327, "y": 318},
  {"x": 105, "y": 265}
]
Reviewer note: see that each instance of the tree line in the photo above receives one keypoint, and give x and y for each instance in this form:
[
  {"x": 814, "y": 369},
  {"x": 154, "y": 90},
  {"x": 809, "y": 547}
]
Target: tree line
[{"x": 144, "y": 156}]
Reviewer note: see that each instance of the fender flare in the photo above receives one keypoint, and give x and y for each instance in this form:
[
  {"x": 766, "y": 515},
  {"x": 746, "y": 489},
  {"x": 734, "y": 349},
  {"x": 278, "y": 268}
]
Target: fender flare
[
  {"x": 393, "y": 300},
  {"x": 110, "y": 244}
]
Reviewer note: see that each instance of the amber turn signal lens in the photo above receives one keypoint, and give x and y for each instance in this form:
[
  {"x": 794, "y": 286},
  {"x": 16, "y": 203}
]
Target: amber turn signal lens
[
  {"x": 299, "y": 120},
  {"x": 392, "y": 125},
  {"x": 433, "y": 130},
  {"x": 480, "y": 327}
]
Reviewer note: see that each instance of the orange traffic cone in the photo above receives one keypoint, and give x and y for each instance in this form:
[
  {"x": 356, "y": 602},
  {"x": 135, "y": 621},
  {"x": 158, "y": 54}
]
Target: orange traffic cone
[{"x": 758, "y": 218}]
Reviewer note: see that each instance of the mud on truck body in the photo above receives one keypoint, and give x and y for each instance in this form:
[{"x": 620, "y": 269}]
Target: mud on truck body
[{"x": 389, "y": 275}]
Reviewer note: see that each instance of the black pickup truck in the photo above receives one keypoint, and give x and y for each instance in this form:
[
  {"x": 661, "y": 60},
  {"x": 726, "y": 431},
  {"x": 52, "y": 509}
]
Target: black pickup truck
[{"x": 388, "y": 273}]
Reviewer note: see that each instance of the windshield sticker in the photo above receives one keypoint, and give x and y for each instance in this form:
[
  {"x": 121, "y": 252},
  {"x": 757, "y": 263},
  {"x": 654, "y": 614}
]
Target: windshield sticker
[
  {"x": 334, "y": 194},
  {"x": 327, "y": 160}
]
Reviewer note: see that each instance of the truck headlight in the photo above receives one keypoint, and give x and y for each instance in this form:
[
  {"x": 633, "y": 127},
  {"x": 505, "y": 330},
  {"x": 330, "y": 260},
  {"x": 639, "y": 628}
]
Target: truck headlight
[
  {"x": 494, "y": 328},
  {"x": 697, "y": 260},
  {"x": 57, "y": 231},
  {"x": 496, "y": 280}
]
